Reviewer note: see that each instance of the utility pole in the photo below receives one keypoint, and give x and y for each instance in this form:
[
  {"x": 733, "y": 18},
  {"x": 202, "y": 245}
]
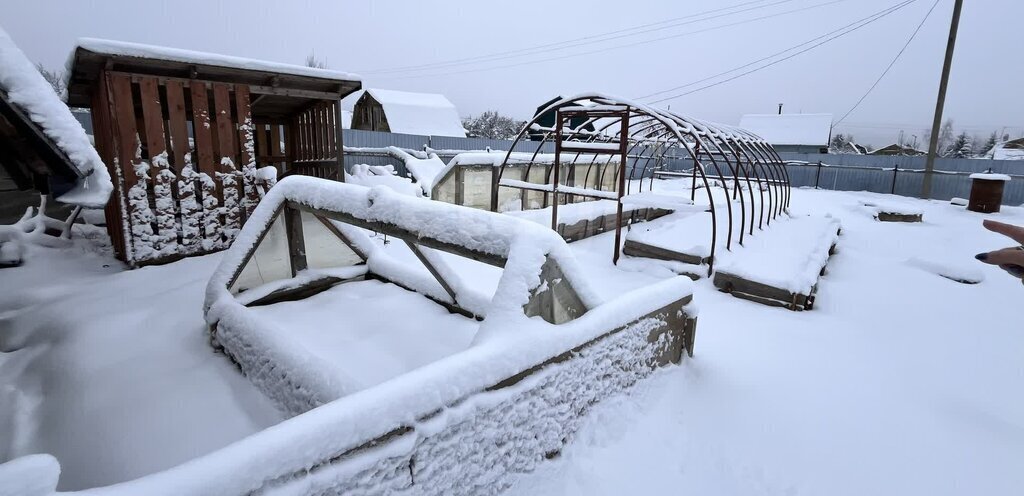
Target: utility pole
[{"x": 933, "y": 145}]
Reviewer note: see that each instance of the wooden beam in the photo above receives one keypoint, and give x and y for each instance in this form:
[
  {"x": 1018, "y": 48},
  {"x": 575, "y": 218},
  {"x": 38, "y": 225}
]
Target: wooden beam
[
  {"x": 296, "y": 240},
  {"x": 433, "y": 270},
  {"x": 404, "y": 234},
  {"x": 341, "y": 236}
]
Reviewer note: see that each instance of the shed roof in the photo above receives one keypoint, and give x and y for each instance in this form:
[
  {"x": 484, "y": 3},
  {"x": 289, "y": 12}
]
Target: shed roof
[
  {"x": 283, "y": 83},
  {"x": 790, "y": 129},
  {"x": 1009, "y": 150},
  {"x": 429, "y": 114},
  {"x": 39, "y": 133}
]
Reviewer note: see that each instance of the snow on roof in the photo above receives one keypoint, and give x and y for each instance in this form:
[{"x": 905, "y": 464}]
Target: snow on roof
[
  {"x": 27, "y": 89},
  {"x": 790, "y": 129},
  {"x": 127, "y": 49},
  {"x": 1008, "y": 150},
  {"x": 988, "y": 176},
  {"x": 428, "y": 114}
]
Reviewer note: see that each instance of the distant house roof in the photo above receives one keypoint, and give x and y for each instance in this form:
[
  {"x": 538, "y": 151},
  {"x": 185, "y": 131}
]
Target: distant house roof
[
  {"x": 896, "y": 149},
  {"x": 1009, "y": 150},
  {"x": 790, "y": 129},
  {"x": 428, "y": 114},
  {"x": 39, "y": 135}
]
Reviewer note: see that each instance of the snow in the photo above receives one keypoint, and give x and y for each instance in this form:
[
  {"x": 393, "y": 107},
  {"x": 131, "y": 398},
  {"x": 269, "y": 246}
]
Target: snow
[
  {"x": 139, "y": 50},
  {"x": 893, "y": 206},
  {"x": 31, "y": 475},
  {"x": 428, "y": 114},
  {"x": 26, "y": 88},
  {"x": 892, "y": 384},
  {"x": 381, "y": 175},
  {"x": 418, "y": 331},
  {"x": 788, "y": 255},
  {"x": 790, "y": 129},
  {"x": 990, "y": 176}
]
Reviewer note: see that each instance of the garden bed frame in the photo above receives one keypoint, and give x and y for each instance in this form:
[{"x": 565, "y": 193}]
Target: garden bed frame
[{"x": 513, "y": 403}]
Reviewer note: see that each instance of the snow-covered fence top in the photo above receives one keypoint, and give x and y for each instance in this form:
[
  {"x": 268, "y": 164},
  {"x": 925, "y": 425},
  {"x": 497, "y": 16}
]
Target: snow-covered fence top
[{"x": 23, "y": 86}]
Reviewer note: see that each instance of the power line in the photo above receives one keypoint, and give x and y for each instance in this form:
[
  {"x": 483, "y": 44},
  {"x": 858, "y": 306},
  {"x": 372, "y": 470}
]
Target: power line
[
  {"x": 560, "y": 45},
  {"x": 643, "y": 42},
  {"x": 769, "y": 57},
  {"x": 869, "y": 20},
  {"x": 891, "y": 64}
]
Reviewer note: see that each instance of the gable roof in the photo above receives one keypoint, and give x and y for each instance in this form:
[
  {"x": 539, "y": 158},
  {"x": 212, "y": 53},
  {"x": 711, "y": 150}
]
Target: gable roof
[
  {"x": 429, "y": 114},
  {"x": 285, "y": 88},
  {"x": 44, "y": 132},
  {"x": 790, "y": 129}
]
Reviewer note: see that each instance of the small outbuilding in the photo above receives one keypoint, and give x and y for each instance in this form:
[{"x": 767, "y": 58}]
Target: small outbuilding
[
  {"x": 194, "y": 139},
  {"x": 794, "y": 133},
  {"x": 1008, "y": 150},
  {"x": 42, "y": 145},
  {"x": 390, "y": 111}
]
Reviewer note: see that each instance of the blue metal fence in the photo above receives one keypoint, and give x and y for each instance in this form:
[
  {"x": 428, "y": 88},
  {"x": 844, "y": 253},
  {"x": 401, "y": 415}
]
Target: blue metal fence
[{"x": 880, "y": 174}]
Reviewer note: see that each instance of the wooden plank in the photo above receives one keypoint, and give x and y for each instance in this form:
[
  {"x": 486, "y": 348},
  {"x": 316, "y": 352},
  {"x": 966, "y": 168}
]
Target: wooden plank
[
  {"x": 262, "y": 137},
  {"x": 102, "y": 124},
  {"x": 138, "y": 227},
  {"x": 289, "y": 148},
  {"x": 404, "y": 234},
  {"x": 152, "y": 117},
  {"x": 165, "y": 208},
  {"x": 637, "y": 249},
  {"x": 296, "y": 240},
  {"x": 177, "y": 123},
  {"x": 126, "y": 134},
  {"x": 339, "y": 146},
  {"x": 208, "y": 195},
  {"x": 225, "y": 131},
  {"x": 246, "y": 136},
  {"x": 341, "y": 236},
  {"x": 318, "y": 132},
  {"x": 432, "y": 269},
  {"x": 762, "y": 293},
  {"x": 201, "y": 127},
  {"x": 329, "y": 149}
]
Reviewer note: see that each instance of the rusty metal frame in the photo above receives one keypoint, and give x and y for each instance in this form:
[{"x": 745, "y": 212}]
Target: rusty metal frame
[{"x": 648, "y": 137}]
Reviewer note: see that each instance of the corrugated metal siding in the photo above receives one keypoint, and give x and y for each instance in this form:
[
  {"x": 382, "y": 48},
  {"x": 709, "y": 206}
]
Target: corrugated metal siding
[
  {"x": 902, "y": 182},
  {"x": 878, "y": 180}
]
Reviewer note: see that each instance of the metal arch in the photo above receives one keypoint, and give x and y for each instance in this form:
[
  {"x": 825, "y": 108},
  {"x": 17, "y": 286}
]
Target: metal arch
[
  {"x": 754, "y": 163},
  {"x": 648, "y": 137}
]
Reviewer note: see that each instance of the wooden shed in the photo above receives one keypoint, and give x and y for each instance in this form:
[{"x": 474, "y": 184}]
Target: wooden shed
[
  {"x": 197, "y": 130},
  {"x": 391, "y": 111}
]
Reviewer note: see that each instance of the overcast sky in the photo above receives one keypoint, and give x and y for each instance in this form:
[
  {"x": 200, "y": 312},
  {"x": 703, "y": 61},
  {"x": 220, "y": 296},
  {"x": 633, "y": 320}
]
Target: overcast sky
[{"x": 367, "y": 37}]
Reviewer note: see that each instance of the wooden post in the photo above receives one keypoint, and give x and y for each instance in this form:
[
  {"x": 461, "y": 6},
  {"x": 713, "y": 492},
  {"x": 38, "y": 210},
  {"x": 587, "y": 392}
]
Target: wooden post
[
  {"x": 339, "y": 140},
  {"x": 296, "y": 240},
  {"x": 933, "y": 145}
]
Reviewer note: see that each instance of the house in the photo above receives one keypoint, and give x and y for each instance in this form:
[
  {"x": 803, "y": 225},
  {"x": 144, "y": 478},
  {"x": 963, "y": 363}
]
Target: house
[
  {"x": 390, "y": 111},
  {"x": 897, "y": 149},
  {"x": 42, "y": 145},
  {"x": 1007, "y": 150},
  {"x": 794, "y": 133}
]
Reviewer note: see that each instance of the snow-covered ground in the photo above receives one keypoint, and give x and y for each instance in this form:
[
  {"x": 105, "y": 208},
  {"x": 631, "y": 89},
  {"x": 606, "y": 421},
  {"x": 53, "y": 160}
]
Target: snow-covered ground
[{"x": 900, "y": 381}]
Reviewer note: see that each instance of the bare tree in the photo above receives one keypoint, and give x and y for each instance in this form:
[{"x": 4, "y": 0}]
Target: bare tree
[
  {"x": 491, "y": 124},
  {"x": 55, "y": 78},
  {"x": 312, "y": 61}
]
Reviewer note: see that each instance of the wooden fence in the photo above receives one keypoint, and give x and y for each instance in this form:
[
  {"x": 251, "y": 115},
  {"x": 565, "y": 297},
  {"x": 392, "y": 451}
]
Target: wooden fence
[{"x": 182, "y": 153}]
